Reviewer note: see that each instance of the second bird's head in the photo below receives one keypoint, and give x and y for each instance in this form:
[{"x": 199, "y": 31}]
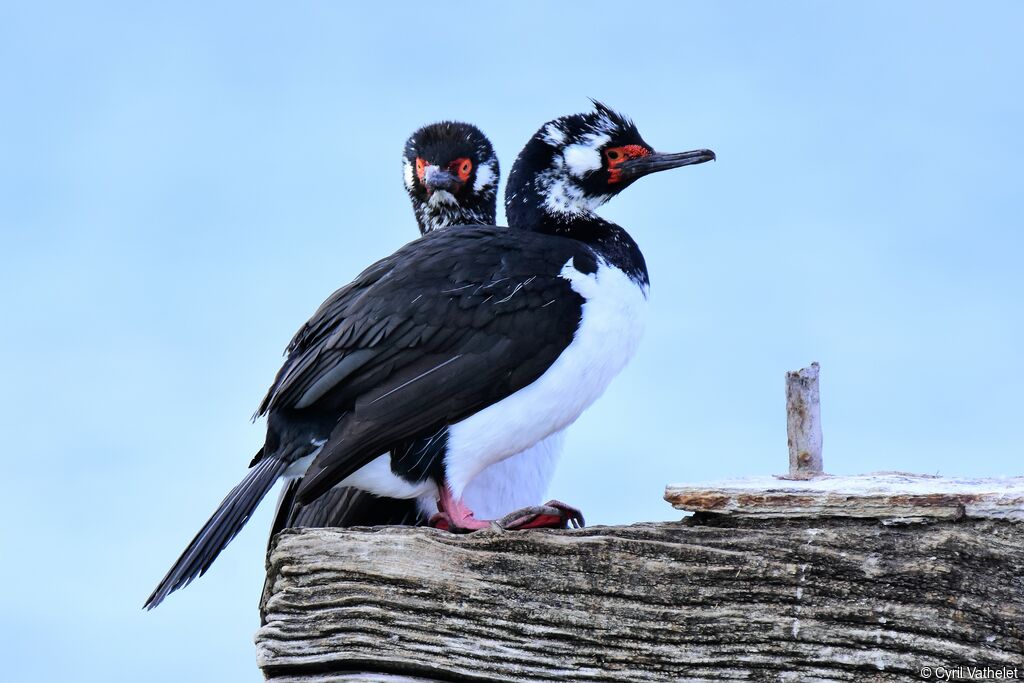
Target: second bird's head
[
  {"x": 576, "y": 163},
  {"x": 451, "y": 175}
]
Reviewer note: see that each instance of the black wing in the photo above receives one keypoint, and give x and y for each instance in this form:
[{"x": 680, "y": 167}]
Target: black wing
[{"x": 446, "y": 326}]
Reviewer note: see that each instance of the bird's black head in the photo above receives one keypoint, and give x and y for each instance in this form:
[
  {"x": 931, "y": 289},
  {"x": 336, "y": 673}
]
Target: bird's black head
[
  {"x": 576, "y": 163},
  {"x": 451, "y": 174}
]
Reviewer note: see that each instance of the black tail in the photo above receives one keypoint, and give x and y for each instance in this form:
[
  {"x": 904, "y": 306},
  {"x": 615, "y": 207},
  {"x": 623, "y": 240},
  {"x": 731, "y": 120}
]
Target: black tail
[{"x": 224, "y": 525}]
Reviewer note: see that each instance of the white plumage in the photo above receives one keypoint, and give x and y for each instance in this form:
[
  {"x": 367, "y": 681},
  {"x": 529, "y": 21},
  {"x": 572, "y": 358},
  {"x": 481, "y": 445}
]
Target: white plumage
[{"x": 606, "y": 339}]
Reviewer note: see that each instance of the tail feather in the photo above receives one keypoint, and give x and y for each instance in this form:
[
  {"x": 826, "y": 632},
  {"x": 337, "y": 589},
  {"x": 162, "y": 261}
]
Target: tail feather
[{"x": 232, "y": 514}]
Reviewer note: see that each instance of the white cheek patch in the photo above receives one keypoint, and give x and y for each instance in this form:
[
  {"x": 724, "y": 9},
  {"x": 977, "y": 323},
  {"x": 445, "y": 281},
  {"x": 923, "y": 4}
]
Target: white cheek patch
[
  {"x": 407, "y": 174},
  {"x": 581, "y": 160},
  {"x": 563, "y": 195},
  {"x": 585, "y": 157},
  {"x": 484, "y": 176}
]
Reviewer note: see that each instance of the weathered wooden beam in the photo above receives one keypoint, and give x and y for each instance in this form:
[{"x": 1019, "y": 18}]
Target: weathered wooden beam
[
  {"x": 807, "y": 577},
  {"x": 890, "y": 497},
  {"x": 711, "y": 598}
]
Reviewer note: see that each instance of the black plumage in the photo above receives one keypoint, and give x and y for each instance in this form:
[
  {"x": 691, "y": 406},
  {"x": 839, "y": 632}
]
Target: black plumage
[
  {"x": 425, "y": 338},
  {"x": 345, "y": 506},
  {"x": 420, "y": 340}
]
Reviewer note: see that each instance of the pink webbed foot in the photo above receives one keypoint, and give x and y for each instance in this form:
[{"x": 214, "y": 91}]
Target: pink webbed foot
[
  {"x": 444, "y": 522},
  {"x": 454, "y": 516},
  {"x": 553, "y": 514},
  {"x": 439, "y": 520}
]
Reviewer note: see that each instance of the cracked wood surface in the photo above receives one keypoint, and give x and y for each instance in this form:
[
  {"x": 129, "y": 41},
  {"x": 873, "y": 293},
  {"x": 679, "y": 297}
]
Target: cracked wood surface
[
  {"x": 711, "y": 598},
  {"x": 887, "y": 496}
]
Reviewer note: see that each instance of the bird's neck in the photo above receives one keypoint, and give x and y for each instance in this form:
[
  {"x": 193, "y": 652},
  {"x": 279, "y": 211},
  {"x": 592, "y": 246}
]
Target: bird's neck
[
  {"x": 610, "y": 241},
  {"x": 435, "y": 215},
  {"x": 531, "y": 206}
]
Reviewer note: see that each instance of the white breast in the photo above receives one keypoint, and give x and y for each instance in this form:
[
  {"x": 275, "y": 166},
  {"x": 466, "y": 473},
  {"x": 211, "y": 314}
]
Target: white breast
[
  {"x": 606, "y": 339},
  {"x": 517, "y": 481}
]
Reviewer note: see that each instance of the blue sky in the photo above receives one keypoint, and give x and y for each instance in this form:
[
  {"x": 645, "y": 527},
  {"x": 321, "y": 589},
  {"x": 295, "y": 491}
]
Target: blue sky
[{"x": 182, "y": 185}]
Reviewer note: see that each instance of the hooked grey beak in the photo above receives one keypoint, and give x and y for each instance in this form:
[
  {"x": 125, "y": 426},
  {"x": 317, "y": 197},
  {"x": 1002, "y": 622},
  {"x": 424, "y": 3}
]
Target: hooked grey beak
[
  {"x": 435, "y": 178},
  {"x": 652, "y": 163}
]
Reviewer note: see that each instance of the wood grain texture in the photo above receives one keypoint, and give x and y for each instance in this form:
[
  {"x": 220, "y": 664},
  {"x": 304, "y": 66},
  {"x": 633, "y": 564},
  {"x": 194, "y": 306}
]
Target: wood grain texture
[
  {"x": 803, "y": 423},
  {"x": 893, "y": 497},
  {"x": 711, "y": 598}
]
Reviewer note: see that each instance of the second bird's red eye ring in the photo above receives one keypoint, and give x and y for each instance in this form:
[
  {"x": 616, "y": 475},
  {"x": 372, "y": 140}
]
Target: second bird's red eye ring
[{"x": 462, "y": 167}]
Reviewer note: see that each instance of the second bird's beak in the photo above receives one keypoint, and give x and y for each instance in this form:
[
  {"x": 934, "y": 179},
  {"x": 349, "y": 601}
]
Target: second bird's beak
[
  {"x": 435, "y": 179},
  {"x": 638, "y": 167}
]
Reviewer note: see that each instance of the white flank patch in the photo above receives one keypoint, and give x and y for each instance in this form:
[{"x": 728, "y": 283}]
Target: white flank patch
[
  {"x": 585, "y": 157},
  {"x": 484, "y": 176},
  {"x": 407, "y": 174},
  {"x": 376, "y": 477},
  {"x": 607, "y": 337}
]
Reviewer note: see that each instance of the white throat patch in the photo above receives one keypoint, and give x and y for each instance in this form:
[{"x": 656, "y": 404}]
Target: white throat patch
[{"x": 442, "y": 197}]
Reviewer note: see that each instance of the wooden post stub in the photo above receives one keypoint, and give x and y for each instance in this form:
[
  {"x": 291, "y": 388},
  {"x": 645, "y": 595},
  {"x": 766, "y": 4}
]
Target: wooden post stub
[{"x": 803, "y": 423}]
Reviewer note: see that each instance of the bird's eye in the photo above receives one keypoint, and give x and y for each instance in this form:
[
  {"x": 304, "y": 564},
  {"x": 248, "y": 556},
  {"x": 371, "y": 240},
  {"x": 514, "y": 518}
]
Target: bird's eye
[
  {"x": 463, "y": 167},
  {"x": 421, "y": 166},
  {"x": 616, "y": 156}
]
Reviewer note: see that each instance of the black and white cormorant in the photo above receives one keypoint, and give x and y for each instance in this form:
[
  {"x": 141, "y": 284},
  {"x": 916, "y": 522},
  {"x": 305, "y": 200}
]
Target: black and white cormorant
[{"x": 476, "y": 343}]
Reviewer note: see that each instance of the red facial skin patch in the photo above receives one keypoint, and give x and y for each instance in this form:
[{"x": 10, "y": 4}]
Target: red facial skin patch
[
  {"x": 462, "y": 167},
  {"x": 617, "y": 155}
]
